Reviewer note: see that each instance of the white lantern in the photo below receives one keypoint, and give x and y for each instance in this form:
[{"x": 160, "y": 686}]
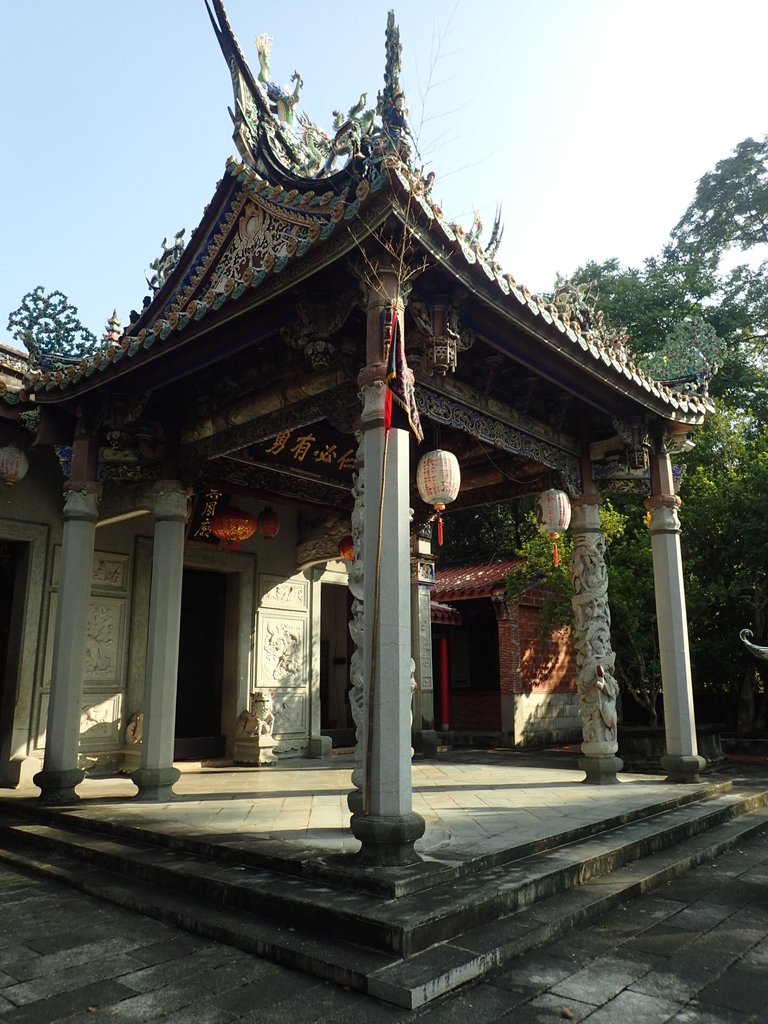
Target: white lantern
[
  {"x": 553, "y": 514},
  {"x": 438, "y": 478},
  {"x": 13, "y": 464}
]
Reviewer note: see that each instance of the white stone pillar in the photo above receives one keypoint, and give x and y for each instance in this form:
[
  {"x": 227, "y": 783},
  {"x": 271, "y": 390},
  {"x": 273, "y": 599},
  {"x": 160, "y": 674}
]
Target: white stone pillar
[
  {"x": 60, "y": 773},
  {"x": 595, "y": 660},
  {"x": 156, "y": 776},
  {"x": 385, "y": 824},
  {"x": 682, "y": 761}
]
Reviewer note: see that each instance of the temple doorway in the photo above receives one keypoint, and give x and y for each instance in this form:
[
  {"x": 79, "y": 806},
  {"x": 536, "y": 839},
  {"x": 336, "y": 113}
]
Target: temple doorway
[
  {"x": 10, "y": 560},
  {"x": 335, "y": 652},
  {"x": 201, "y": 666}
]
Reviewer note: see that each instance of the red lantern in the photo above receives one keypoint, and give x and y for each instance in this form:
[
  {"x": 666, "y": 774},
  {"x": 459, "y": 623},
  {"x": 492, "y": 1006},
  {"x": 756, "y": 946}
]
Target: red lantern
[
  {"x": 553, "y": 514},
  {"x": 438, "y": 478},
  {"x": 269, "y": 523},
  {"x": 347, "y": 549},
  {"x": 13, "y": 464},
  {"x": 233, "y": 525}
]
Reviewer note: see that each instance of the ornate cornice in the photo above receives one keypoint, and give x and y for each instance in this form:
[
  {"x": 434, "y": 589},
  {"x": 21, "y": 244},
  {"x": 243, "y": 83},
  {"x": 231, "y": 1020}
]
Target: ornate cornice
[{"x": 507, "y": 436}]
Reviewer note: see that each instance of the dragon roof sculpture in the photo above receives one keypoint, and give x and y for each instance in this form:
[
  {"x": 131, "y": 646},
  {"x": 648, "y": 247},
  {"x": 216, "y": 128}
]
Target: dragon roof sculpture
[{"x": 277, "y": 142}]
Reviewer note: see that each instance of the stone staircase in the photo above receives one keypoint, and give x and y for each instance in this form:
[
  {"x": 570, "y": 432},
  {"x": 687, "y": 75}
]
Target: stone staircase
[{"x": 405, "y": 935}]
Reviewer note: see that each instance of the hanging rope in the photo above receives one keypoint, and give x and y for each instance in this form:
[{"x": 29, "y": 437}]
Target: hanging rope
[{"x": 375, "y": 632}]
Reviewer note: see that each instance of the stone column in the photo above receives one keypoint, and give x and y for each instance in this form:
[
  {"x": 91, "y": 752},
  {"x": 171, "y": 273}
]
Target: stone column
[
  {"x": 156, "y": 776},
  {"x": 422, "y": 581},
  {"x": 386, "y": 824},
  {"x": 681, "y": 761},
  {"x": 595, "y": 660},
  {"x": 357, "y": 632},
  {"x": 60, "y": 773},
  {"x": 508, "y": 622}
]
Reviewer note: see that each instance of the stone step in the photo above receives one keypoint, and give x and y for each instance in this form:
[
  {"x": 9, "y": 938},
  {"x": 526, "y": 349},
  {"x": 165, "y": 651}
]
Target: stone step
[
  {"x": 286, "y": 858},
  {"x": 408, "y": 949},
  {"x": 462, "y": 896}
]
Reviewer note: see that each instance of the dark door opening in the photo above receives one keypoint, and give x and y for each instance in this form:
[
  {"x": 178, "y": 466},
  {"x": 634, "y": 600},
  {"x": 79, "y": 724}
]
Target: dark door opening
[
  {"x": 336, "y": 650},
  {"x": 9, "y": 564},
  {"x": 201, "y": 666}
]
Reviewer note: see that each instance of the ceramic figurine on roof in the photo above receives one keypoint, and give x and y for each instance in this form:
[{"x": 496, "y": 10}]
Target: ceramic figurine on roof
[
  {"x": 279, "y": 143},
  {"x": 391, "y": 103},
  {"x": 163, "y": 266},
  {"x": 282, "y": 100},
  {"x": 49, "y": 328}
]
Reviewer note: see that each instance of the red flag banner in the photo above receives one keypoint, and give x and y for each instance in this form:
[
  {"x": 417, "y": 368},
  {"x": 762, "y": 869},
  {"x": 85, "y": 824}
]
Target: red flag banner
[{"x": 400, "y": 409}]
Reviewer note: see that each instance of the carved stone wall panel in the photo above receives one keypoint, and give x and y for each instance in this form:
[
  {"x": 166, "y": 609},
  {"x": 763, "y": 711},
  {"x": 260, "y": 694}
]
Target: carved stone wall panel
[
  {"x": 109, "y": 572},
  {"x": 283, "y": 655},
  {"x": 291, "y": 711},
  {"x": 99, "y": 722},
  {"x": 104, "y": 644},
  {"x": 276, "y": 592}
]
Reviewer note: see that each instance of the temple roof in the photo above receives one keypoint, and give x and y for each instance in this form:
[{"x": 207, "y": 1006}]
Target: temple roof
[
  {"x": 278, "y": 216},
  {"x": 472, "y": 581},
  {"x": 191, "y": 295}
]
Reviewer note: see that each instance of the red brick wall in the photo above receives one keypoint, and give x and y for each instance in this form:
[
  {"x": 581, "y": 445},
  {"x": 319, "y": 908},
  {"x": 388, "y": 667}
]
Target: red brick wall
[
  {"x": 509, "y": 650},
  {"x": 480, "y": 710},
  {"x": 546, "y": 665}
]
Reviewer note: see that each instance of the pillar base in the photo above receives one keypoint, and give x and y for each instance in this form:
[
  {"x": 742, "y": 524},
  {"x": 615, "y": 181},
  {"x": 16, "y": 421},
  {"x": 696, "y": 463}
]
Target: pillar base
[
  {"x": 58, "y": 785},
  {"x": 601, "y": 770},
  {"x": 683, "y": 767},
  {"x": 355, "y": 801},
  {"x": 387, "y": 838},
  {"x": 426, "y": 742},
  {"x": 155, "y": 783},
  {"x": 320, "y": 746}
]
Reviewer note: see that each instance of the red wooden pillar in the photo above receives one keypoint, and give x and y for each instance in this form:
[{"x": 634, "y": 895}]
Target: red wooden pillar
[{"x": 444, "y": 679}]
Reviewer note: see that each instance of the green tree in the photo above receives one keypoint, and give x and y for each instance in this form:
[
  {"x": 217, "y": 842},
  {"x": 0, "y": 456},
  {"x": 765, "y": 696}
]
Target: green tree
[
  {"x": 730, "y": 206},
  {"x": 495, "y": 531},
  {"x": 728, "y": 215},
  {"x": 725, "y": 555},
  {"x": 633, "y": 607}
]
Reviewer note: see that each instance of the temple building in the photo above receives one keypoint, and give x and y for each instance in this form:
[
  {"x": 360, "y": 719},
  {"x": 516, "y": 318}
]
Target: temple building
[{"x": 214, "y": 542}]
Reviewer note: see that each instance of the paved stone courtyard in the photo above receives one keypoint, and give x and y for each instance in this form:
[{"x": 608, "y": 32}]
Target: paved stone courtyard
[
  {"x": 474, "y": 804},
  {"x": 694, "y": 952}
]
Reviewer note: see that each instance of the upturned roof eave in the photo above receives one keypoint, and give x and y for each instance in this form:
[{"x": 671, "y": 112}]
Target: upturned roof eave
[{"x": 497, "y": 293}]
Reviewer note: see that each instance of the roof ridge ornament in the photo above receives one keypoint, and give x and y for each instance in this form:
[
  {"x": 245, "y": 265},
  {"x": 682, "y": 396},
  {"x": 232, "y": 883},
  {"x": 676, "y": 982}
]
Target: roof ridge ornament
[
  {"x": 163, "y": 266},
  {"x": 277, "y": 141},
  {"x": 391, "y": 104}
]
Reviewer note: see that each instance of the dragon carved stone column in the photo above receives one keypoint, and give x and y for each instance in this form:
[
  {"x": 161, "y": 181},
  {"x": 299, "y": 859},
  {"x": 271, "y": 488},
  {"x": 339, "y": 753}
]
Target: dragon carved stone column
[
  {"x": 595, "y": 660},
  {"x": 356, "y": 631},
  {"x": 681, "y": 761}
]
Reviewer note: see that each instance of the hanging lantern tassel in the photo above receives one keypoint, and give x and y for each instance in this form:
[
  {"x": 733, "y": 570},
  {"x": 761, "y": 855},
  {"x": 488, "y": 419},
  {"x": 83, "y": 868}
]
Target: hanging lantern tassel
[
  {"x": 438, "y": 479},
  {"x": 555, "y": 555}
]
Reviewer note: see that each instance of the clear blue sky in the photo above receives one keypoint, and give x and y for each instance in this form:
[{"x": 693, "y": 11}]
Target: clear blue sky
[{"x": 590, "y": 121}]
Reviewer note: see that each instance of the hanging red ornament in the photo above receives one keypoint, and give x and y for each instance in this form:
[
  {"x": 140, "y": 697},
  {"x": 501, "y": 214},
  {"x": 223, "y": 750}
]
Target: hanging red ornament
[
  {"x": 232, "y": 526},
  {"x": 269, "y": 523},
  {"x": 347, "y": 549}
]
